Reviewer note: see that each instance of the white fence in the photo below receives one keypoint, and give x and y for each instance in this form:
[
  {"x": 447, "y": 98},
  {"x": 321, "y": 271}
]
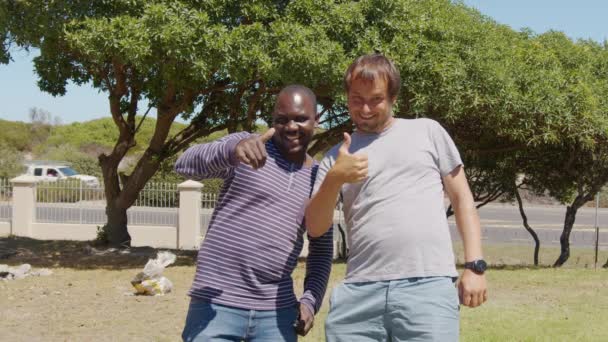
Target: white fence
[
  {"x": 156, "y": 205},
  {"x": 208, "y": 200},
  {"x": 69, "y": 201},
  {"x": 74, "y": 202},
  {"x": 6, "y": 195},
  {"x": 164, "y": 215}
]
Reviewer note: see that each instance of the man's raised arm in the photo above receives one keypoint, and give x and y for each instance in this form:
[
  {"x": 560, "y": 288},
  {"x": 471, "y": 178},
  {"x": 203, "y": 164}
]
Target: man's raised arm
[
  {"x": 348, "y": 168},
  {"x": 215, "y": 159}
]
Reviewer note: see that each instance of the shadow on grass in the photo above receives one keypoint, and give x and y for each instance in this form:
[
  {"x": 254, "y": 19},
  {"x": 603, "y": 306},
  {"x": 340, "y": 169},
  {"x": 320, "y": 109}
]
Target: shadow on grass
[
  {"x": 81, "y": 254},
  {"x": 85, "y": 255}
]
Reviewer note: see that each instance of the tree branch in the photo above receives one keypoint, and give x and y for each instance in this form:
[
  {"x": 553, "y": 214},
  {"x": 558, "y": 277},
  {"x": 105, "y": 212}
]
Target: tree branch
[
  {"x": 133, "y": 102},
  {"x": 178, "y": 144},
  {"x": 251, "y": 106},
  {"x": 142, "y": 119}
]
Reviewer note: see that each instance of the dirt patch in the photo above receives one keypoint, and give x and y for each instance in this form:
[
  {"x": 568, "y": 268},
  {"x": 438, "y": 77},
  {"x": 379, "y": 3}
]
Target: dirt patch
[
  {"x": 92, "y": 305},
  {"x": 80, "y": 254},
  {"x": 89, "y": 296}
]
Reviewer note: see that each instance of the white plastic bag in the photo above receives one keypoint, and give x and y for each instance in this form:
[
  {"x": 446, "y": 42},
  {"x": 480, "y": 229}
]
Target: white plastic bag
[
  {"x": 151, "y": 282},
  {"x": 155, "y": 267},
  {"x": 22, "y": 271}
]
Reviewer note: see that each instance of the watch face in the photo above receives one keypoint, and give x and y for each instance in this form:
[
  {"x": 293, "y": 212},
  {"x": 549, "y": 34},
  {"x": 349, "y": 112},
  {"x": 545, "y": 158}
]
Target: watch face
[{"x": 480, "y": 266}]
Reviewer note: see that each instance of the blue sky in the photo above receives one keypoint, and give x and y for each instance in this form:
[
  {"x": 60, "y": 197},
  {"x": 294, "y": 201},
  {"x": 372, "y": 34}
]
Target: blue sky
[{"x": 578, "y": 19}]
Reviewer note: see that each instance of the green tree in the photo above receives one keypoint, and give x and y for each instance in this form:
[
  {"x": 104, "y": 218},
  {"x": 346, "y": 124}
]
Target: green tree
[
  {"x": 215, "y": 63},
  {"x": 572, "y": 163},
  {"x": 508, "y": 98},
  {"x": 218, "y": 64}
]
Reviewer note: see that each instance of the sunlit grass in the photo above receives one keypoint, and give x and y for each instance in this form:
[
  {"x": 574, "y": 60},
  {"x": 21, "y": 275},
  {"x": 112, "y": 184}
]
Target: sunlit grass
[{"x": 526, "y": 303}]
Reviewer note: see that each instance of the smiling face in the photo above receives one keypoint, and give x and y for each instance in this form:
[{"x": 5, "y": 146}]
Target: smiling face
[
  {"x": 294, "y": 120},
  {"x": 370, "y": 105}
]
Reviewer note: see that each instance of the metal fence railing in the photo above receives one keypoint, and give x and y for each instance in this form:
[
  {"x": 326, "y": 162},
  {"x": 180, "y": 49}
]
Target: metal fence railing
[
  {"x": 69, "y": 201},
  {"x": 156, "y": 205},
  {"x": 158, "y": 195},
  {"x": 6, "y": 195},
  {"x": 208, "y": 200},
  {"x": 74, "y": 202}
]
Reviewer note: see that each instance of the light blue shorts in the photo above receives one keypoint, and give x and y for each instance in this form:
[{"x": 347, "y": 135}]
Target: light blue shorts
[
  {"x": 207, "y": 322},
  {"x": 412, "y": 309}
]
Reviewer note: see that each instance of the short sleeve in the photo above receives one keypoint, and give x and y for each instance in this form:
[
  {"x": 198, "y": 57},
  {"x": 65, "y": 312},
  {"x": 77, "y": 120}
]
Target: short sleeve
[
  {"x": 321, "y": 173},
  {"x": 447, "y": 157},
  {"x": 324, "y": 166}
]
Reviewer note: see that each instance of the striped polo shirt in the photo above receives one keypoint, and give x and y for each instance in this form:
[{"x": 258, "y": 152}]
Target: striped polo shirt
[{"x": 256, "y": 231}]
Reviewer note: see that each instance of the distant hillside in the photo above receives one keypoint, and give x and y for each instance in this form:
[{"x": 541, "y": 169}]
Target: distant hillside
[
  {"x": 103, "y": 133},
  {"x": 79, "y": 143},
  {"x": 100, "y": 134},
  {"x": 16, "y": 134}
]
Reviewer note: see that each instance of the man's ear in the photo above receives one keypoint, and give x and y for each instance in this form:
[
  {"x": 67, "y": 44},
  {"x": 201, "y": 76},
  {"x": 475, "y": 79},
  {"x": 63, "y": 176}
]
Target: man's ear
[{"x": 317, "y": 119}]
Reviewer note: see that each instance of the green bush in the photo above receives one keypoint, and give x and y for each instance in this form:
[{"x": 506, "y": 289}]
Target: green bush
[
  {"x": 11, "y": 162},
  {"x": 16, "y": 134},
  {"x": 101, "y": 239}
]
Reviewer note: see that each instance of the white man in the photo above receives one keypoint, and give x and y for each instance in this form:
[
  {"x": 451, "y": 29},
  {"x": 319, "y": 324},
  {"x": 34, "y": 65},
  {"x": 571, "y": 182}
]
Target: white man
[{"x": 391, "y": 175}]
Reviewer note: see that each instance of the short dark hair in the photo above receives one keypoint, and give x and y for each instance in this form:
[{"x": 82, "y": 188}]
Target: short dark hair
[
  {"x": 373, "y": 66},
  {"x": 300, "y": 89}
]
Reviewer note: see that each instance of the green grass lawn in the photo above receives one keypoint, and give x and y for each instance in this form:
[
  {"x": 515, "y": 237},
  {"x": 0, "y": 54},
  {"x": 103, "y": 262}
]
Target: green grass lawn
[{"x": 525, "y": 303}]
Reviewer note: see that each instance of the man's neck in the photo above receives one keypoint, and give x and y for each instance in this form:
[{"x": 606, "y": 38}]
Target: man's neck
[{"x": 296, "y": 158}]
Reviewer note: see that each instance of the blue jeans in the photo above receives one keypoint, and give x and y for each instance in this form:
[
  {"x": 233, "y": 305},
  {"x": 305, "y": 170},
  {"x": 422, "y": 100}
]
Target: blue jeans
[
  {"x": 207, "y": 322},
  {"x": 412, "y": 309}
]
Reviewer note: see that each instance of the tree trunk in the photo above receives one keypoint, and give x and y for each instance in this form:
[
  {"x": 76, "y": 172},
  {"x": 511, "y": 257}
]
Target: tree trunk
[
  {"x": 119, "y": 199},
  {"x": 116, "y": 228},
  {"x": 564, "y": 239},
  {"x": 527, "y": 226}
]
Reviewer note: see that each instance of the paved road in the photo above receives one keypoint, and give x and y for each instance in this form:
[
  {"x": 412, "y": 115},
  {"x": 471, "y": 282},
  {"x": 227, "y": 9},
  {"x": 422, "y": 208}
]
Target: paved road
[
  {"x": 500, "y": 223},
  {"x": 503, "y": 223}
]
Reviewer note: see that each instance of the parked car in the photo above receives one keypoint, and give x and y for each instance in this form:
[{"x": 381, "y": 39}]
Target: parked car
[{"x": 50, "y": 171}]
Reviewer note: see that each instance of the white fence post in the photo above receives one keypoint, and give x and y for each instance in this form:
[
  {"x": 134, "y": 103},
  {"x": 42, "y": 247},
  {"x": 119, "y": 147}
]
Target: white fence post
[
  {"x": 24, "y": 205},
  {"x": 189, "y": 218}
]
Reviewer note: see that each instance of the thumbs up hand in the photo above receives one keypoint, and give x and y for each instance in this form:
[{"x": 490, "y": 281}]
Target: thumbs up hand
[
  {"x": 349, "y": 168},
  {"x": 252, "y": 150}
]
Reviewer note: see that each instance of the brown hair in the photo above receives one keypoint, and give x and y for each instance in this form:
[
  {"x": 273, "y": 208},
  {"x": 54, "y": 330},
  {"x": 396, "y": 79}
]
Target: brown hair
[{"x": 369, "y": 68}]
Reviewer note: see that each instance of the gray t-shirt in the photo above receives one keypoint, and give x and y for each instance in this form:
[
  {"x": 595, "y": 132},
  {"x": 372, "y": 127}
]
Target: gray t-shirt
[{"x": 396, "y": 221}]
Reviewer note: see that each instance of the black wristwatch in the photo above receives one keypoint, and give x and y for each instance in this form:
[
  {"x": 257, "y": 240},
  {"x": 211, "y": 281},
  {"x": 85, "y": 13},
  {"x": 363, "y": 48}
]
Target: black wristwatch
[{"x": 478, "y": 266}]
